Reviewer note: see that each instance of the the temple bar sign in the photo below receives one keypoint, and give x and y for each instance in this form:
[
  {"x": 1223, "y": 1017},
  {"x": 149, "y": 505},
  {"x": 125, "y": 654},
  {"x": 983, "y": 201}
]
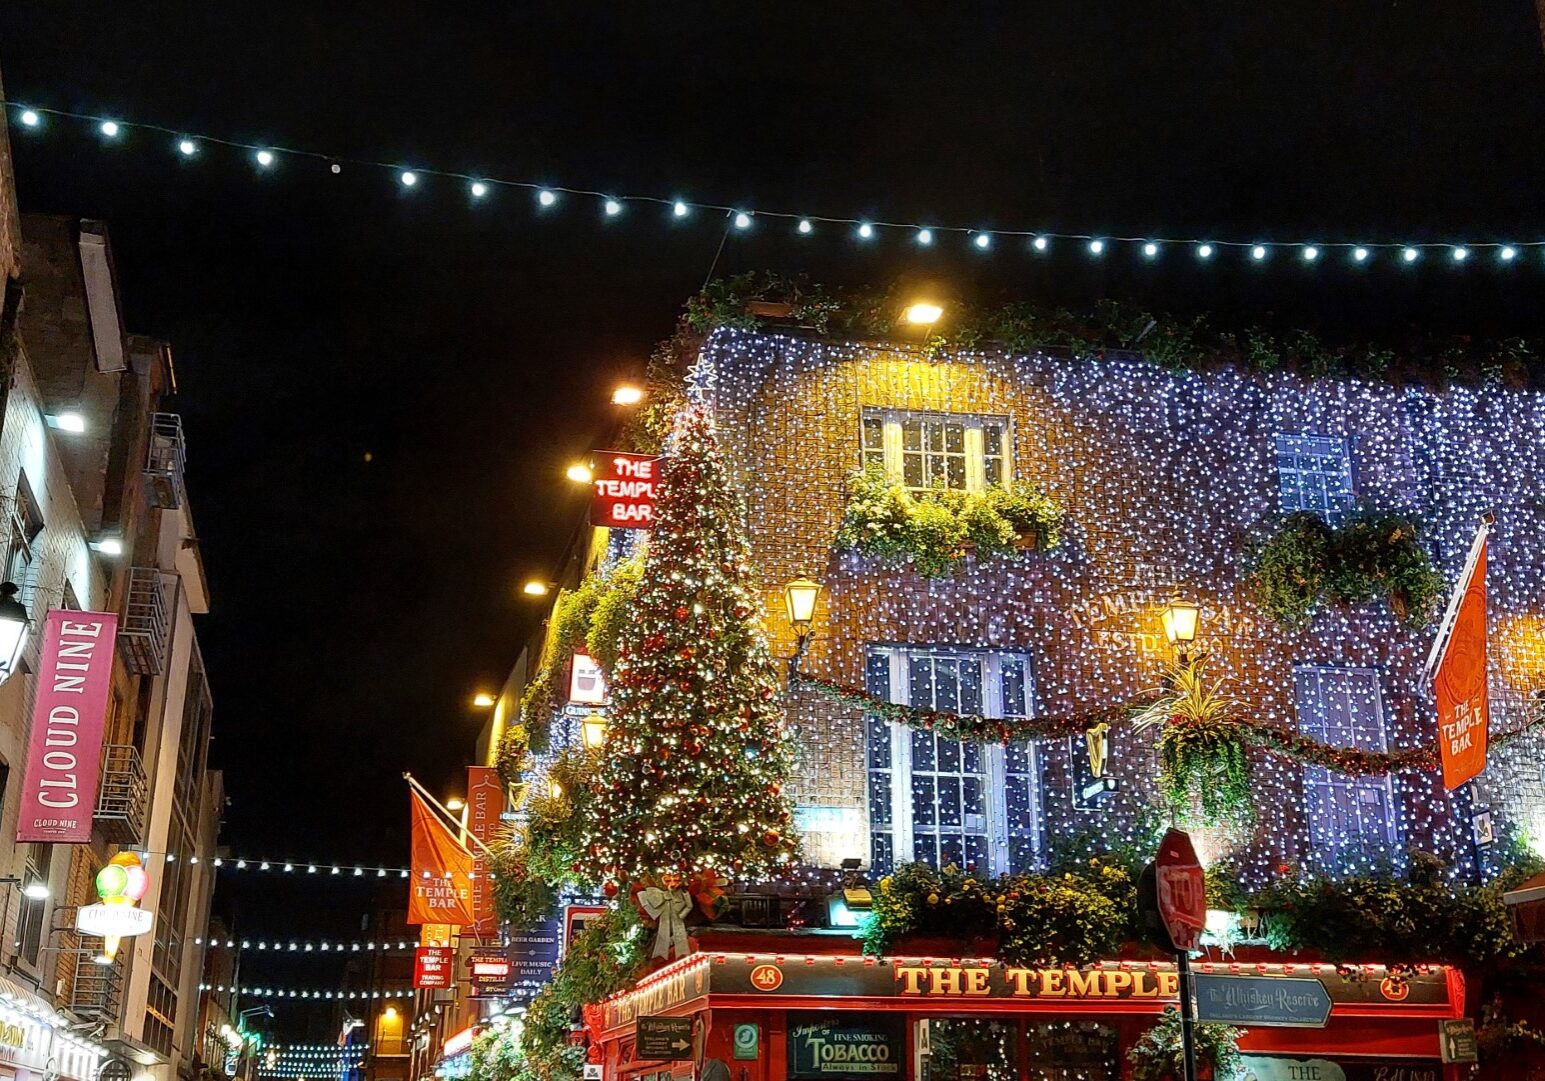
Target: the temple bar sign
[{"x": 624, "y": 490}]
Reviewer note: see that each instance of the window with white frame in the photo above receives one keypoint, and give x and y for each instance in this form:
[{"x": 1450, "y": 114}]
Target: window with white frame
[
  {"x": 26, "y": 526},
  {"x": 937, "y": 450},
  {"x": 1351, "y": 819},
  {"x": 936, "y": 799},
  {"x": 1314, "y": 474}
]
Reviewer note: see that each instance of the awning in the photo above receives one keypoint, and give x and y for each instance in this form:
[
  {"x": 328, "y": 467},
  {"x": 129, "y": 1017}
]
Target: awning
[{"x": 1527, "y": 906}]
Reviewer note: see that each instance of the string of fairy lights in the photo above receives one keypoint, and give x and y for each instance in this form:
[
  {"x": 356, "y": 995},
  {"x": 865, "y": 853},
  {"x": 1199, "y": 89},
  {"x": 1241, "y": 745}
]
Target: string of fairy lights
[
  {"x": 294, "y": 946},
  {"x": 267, "y": 158},
  {"x": 325, "y": 994},
  {"x": 1084, "y": 617}
]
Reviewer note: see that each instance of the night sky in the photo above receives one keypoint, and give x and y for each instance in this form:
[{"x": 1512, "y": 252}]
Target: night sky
[{"x": 468, "y": 351}]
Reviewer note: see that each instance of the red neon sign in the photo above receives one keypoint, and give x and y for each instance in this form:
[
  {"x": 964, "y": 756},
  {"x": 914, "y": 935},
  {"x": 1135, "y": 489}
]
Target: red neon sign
[{"x": 624, "y": 490}]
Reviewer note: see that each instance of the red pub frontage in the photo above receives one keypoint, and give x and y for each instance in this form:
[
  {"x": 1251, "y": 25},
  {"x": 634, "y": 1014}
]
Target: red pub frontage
[{"x": 819, "y": 1010}]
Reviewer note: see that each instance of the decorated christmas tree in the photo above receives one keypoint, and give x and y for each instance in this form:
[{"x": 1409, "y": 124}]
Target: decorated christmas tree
[{"x": 696, "y": 760}]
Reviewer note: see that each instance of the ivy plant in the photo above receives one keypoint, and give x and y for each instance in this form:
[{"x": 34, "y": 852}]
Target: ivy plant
[{"x": 1372, "y": 555}]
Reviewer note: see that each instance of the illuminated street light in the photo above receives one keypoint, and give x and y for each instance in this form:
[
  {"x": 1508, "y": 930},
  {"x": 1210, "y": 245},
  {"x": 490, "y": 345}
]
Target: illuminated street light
[
  {"x": 627, "y": 394},
  {"x": 580, "y": 473},
  {"x": 922, "y": 313}
]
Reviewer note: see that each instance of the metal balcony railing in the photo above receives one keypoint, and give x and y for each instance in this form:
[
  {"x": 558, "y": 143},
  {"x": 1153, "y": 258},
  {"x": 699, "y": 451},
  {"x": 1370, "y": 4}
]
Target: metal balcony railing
[
  {"x": 123, "y": 796},
  {"x": 142, "y": 634},
  {"x": 97, "y": 989},
  {"x": 165, "y": 460}
]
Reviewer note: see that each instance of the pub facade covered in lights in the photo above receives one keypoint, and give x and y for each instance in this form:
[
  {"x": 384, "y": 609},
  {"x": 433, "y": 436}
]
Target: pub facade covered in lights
[{"x": 1165, "y": 482}]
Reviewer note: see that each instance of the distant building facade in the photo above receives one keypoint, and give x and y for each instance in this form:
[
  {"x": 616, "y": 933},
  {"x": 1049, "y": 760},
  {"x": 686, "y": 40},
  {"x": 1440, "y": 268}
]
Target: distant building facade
[{"x": 96, "y": 517}]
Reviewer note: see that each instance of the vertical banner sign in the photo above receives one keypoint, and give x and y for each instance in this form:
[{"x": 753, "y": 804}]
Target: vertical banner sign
[
  {"x": 1464, "y": 708},
  {"x": 485, "y": 805},
  {"x": 65, "y": 755},
  {"x": 441, "y": 888},
  {"x": 624, "y": 490}
]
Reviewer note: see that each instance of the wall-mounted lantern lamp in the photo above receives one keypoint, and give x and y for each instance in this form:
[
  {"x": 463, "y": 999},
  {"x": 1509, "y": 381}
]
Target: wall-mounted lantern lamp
[
  {"x": 14, "y": 624},
  {"x": 1181, "y": 619},
  {"x": 799, "y": 598},
  {"x": 593, "y": 731}
]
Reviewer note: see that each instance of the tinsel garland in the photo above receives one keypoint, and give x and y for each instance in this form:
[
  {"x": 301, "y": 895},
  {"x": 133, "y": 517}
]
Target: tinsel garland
[{"x": 970, "y": 728}]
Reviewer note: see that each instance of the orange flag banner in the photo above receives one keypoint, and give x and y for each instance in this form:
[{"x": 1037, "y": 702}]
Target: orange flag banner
[
  {"x": 1464, "y": 707},
  {"x": 441, "y": 889},
  {"x": 485, "y": 806}
]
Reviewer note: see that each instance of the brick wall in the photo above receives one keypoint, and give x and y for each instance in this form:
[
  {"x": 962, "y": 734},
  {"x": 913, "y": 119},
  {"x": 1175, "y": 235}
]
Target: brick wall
[{"x": 1165, "y": 478}]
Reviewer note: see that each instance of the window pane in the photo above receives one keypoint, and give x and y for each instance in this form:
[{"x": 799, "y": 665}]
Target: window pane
[
  {"x": 880, "y": 852},
  {"x": 971, "y": 796},
  {"x": 879, "y": 732},
  {"x": 912, "y": 471},
  {"x": 1013, "y": 686},
  {"x": 971, "y": 757},
  {"x": 955, "y": 472},
  {"x": 948, "y": 754},
  {"x": 920, "y": 683},
  {"x": 935, "y": 432},
  {"x": 922, "y": 751},
  {"x": 923, "y": 801},
  {"x": 946, "y": 692},
  {"x": 992, "y": 439},
  {"x": 992, "y": 470},
  {"x": 874, "y": 433},
  {"x": 955, "y": 438},
  {"x": 949, "y": 803},
  {"x": 952, "y": 851},
  {"x": 974, "y": 854},
  {"x": 971, "y": 687},
  {"x": 912, "y": 434},
  {"x": 879, "y": 798}
]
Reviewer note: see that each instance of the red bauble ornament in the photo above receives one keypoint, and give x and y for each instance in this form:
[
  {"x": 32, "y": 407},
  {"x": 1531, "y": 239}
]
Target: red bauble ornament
[
  {"x": 741, "y": 611},
  {"x": 770, "y": 838},
  {"x": 767, "y": 693},
  {"x": 610, "y": 889},
  {"x": 682, "y": 612},
  {"x": 686, "y": 652},
  {"x": 694, "y": 749}
]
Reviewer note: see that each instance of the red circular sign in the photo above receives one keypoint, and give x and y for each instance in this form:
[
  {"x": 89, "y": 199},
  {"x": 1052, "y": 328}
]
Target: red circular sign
[
  {"x": 767, "y": 977},
  {"x": 1394, "y": 988}
]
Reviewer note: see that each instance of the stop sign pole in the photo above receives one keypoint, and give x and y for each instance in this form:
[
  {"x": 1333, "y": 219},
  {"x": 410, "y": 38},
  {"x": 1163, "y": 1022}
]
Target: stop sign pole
[{"x": 1179, "y": 894}]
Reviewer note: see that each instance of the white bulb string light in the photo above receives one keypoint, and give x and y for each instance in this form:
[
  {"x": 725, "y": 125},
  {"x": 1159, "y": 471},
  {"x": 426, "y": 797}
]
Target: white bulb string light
[
  {"x": 1258, "y": 252},
  {"x": 303, "y": 993},
  {"x": 283, "y": 1049},
  {"x": 308, "y": 867},
  {"x": 303, "y": 946}
]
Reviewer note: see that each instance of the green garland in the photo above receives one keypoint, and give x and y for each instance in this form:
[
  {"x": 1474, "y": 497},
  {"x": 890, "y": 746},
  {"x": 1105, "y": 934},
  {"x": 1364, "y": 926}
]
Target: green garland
[
  {"x": 970, "y": 728},
  {"x": 934, "y": 532},
  {"x": 1307, "y": 563},
  {"x": 1159, "y": 1056},
  {"x": 966, "y": 727}
]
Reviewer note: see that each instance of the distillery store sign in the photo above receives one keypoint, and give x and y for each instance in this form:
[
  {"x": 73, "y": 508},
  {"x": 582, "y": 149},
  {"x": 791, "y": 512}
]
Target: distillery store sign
[{"x": 65, "y": 755}]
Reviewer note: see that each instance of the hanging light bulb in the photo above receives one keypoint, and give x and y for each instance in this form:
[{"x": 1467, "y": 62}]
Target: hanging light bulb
[
  {"x": 1040, "y": 243},
  {"x": 612, "y": 208},
  {"x": 478, "y": 189},
  {"x": 1360, "y": 254},
  {"x": 1204, "y": 251},
  {"x": 865, "y": 231},
  {"x": 925, "y": 237},
  {"x": 804, "y": 225}
]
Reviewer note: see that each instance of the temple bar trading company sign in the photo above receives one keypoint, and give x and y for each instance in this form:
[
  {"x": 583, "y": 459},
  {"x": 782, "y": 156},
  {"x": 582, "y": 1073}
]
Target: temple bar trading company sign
[{"x": 944, "y": 979}]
